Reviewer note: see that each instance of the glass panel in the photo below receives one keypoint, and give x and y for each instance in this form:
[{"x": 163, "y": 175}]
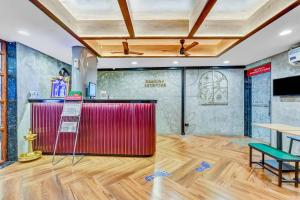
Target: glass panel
[
  {"x": 89, "y": 17},
  {"x": 164, "y": 17},
  {"x": 238, "y": 18}
]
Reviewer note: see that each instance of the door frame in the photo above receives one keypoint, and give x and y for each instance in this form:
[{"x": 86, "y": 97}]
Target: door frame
[
  {"x": 248, "y": 73},
  {"x": 247, "y": 105},
  {"x": 3, "y": 100}
]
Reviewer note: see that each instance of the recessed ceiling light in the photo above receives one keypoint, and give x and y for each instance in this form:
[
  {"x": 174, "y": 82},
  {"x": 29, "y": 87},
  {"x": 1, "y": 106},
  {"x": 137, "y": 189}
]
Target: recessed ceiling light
[
  {"x": 22, "y": 32},
  {"x": 175, "y": 62},
  {"x": 285, "y": 32},
  {"x": 226, "y": 62},
  {"x": 134, "y": 63}
]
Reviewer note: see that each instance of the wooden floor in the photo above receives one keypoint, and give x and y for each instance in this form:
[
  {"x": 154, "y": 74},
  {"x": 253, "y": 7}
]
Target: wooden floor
[{"x": 124, "y": 178}]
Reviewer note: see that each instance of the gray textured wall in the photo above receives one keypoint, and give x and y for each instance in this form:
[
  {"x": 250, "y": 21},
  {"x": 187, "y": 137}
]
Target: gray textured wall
[
  {"x": 216, "y": 119},
  {"x": 203, "y": 119},
  {"x": 285, "y": 110},
  {"x": 131, "y": 85},
  {"x": 34, "y": 72}
]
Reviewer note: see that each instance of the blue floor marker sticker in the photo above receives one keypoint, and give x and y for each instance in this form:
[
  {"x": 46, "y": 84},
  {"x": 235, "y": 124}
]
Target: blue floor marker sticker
[
  {"x": 203, "y": 166},
  {"x": 157, "y": 174}
]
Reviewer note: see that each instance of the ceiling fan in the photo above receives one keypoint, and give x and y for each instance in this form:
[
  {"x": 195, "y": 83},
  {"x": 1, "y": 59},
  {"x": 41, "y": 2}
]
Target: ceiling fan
[
  {"x": 184, "y": 50},
  {"x": 126, "y": 50}
]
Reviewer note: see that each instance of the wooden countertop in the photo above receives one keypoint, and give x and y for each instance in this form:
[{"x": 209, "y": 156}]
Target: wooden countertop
[
  {"x": 293, "y": 130},
  {"x": 95, "y": 100}
]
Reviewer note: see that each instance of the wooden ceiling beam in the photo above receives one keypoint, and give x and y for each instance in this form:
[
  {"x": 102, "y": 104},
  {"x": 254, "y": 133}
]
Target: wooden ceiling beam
[
  {"x": 126, "y": 15},
  {"x": 161, "y": 37},
  {"x": 207, "y": 8}
]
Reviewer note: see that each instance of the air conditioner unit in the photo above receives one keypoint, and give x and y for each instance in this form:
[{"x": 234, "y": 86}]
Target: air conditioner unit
[{"x": 294, "y": 56}]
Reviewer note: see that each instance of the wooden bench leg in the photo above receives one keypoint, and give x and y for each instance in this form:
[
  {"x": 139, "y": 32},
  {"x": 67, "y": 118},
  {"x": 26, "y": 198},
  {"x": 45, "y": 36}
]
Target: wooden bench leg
[
  {"x": 296, "y": 174},
  {"x": 250, "y": 157},
  {"x": 280, "y": 173}
]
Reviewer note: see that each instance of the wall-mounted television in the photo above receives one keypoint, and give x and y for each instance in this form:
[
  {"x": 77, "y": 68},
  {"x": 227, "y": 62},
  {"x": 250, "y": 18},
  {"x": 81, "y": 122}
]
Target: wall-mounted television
[
  {"x": 91, "y": 90},
  {"x": 286, "y": 86}
]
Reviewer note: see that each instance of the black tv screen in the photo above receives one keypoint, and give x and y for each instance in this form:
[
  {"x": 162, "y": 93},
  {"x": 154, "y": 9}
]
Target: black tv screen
[{"x": 286, "y": 86}]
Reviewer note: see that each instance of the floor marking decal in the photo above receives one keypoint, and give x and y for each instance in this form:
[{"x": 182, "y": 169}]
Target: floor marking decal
[
  {"x": 157, "y": 174},
  {"x": 203, "y": 166}
]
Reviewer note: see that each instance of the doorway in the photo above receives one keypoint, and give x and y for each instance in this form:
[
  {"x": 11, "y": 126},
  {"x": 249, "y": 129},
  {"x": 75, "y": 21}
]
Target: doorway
[{"x": 258, "y": 102}]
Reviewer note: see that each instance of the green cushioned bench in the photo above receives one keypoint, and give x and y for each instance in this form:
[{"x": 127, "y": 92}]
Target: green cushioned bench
[{"x": 279, "y": 156}]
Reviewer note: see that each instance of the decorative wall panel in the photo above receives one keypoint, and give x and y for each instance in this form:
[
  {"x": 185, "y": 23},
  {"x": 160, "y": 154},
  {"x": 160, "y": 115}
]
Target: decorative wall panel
[
  {"x": 223, "y": 119},
  {"x": 213, "y": 88}
]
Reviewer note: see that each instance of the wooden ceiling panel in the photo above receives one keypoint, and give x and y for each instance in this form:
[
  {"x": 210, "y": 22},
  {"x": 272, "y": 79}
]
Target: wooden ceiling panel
[
  {"x": 238, "y": 18},
  {"x": 103, "y": 28},
  {"x": 160, "y": 47},
  {"x": 92, "y": 9},
  {"x": 156, "y": 27},
  {"x": 161, "y": 28}
]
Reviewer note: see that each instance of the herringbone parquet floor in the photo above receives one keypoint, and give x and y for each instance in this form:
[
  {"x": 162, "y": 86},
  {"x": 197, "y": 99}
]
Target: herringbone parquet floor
[{"x": 99, "y": 177}]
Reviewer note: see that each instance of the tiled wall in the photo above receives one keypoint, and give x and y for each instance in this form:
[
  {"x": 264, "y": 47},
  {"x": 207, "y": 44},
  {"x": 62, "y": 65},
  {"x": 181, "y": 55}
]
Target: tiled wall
[{"x": 12, "y": 101}]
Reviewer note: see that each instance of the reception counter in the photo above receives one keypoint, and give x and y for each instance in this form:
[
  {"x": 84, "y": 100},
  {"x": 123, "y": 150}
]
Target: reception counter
[{"x": 107, "y": 127}]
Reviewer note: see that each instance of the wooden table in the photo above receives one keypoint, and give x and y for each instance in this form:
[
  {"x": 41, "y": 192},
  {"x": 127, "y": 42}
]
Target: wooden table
[{"x": 280, "y": 128}]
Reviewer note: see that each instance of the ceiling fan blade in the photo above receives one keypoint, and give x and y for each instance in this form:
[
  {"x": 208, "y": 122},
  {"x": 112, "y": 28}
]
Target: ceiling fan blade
[
  {"x": 137, "y": 53},
  {"x": 191, "y": 46},
  {"x": 187, "y": 53},
  {"x": 125, "y": 47},
  {"x": 117, "y": 52}
]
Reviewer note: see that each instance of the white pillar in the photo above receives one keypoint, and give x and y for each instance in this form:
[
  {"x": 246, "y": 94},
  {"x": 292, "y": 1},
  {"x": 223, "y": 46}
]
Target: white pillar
[
  {"x": 79, "y": 60},
  {"x": 91, "y": 74}
]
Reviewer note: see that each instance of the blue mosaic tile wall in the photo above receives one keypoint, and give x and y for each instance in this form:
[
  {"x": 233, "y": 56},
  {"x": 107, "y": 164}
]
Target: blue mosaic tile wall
[{"x": 12, "y": 143}]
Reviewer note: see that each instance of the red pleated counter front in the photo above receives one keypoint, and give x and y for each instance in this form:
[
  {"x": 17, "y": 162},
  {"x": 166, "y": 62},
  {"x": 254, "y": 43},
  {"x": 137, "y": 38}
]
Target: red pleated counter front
[{"x": 105, "y": 129}]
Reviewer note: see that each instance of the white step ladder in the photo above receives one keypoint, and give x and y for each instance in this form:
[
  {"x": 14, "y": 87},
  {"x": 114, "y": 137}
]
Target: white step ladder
[{"x": 69, "y": 124}]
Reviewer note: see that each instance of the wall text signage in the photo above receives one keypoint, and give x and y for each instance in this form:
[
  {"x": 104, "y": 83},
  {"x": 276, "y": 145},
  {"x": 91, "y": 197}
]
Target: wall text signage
[
  {"x": 155, "y": 83},
  {"x": 259, "y": 70}
]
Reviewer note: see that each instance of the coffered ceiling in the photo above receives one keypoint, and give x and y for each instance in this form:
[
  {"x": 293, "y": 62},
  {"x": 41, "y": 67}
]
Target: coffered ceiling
[{"x": 148, "y": 28}]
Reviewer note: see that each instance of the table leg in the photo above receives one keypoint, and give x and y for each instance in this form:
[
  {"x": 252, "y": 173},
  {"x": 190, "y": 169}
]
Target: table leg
[
  {"x": 279, "y": 140},
  {"x": 273, "y": 163}
]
